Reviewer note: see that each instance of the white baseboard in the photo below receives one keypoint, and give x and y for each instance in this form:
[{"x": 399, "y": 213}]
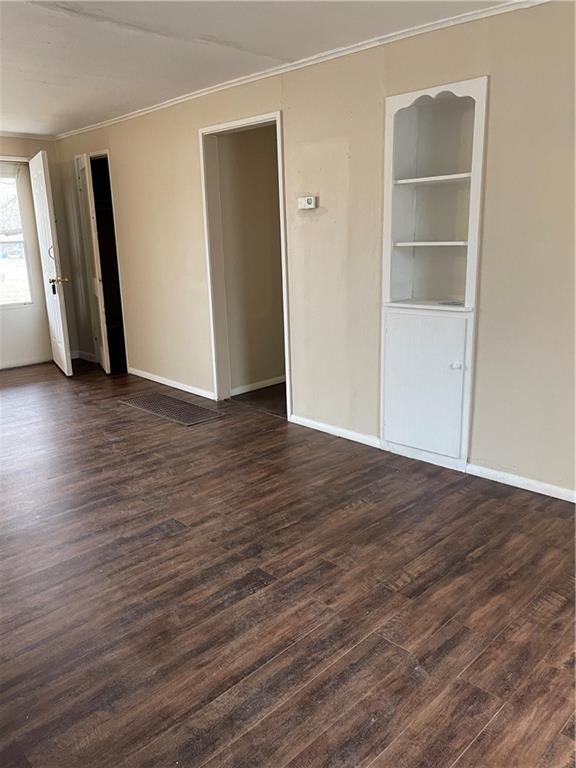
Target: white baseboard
[
  {"x": 357, "y": 437},
  {"x": 79, "y": 354},
  {"x": 172, "y": 383},
  {"x": 459, "y": 465},
  {"x": 522, "y": 482},
  {"x": 518, "y": 481},
  {"x": 257, "y": 385},
  {"x": 24, "y": 361}
]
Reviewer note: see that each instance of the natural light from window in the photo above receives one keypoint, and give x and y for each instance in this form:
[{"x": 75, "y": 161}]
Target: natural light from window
[{"x": 14, "y": 282}]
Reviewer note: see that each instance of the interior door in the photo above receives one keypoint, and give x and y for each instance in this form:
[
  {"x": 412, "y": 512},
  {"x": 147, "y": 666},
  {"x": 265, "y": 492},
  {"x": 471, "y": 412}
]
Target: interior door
[
  {"x": 90, "y": 238},
  {"x": 53, "y": 279},
  {"x": 424, "y": 369}
]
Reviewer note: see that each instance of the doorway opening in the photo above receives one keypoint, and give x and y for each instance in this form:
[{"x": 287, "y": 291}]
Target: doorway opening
[
  {"x": 245, "y": 237},
  {"x": 101, "y": 264}
]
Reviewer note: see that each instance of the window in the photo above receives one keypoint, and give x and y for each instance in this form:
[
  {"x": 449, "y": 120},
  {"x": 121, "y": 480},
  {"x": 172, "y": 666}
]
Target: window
[{"x": 14, "y": 278}]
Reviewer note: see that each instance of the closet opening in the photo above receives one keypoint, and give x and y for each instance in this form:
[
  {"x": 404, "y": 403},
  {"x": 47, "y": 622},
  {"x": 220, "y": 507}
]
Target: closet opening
[
  {"x": 244, "y": 225},
  {"x": 101, "y": 263}
]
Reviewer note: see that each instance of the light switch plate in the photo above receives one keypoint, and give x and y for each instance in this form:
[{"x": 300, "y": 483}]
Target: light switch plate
[{"x": 308, "y": 202}]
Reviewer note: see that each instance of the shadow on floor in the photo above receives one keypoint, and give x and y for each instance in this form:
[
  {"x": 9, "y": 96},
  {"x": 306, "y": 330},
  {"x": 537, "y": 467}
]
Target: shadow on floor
[{"x": 269, "y": 399}]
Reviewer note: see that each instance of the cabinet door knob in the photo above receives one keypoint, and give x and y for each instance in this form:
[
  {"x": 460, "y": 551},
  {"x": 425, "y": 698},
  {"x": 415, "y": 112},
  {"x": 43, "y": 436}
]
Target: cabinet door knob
[{"x": 456, "y": 366}]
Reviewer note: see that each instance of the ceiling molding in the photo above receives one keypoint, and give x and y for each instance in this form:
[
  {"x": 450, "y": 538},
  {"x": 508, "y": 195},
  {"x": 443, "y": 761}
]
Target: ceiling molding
[
  {"x": 30, "y": 136},
  {"x": 511, "y": 5}
]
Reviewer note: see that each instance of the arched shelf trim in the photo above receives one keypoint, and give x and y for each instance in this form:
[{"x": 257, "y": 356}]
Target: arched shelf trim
[{"x": 446, "y": 95}]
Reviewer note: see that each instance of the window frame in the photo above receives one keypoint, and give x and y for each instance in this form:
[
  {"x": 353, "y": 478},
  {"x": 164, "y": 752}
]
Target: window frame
[{"x": 31, "y": 287}]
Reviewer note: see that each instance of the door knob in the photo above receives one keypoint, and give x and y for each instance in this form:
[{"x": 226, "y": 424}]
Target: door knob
[{"x": 54, "y": 280}]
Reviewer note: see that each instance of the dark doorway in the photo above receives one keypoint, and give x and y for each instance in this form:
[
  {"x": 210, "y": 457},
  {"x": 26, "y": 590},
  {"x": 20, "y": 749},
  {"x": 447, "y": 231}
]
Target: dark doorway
[
  {"x": 109, "y": 263},
  {"x": 268, "y": 399}
]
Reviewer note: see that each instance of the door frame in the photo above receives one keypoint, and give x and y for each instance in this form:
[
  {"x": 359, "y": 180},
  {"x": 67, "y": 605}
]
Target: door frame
[
  {"x": 214, "y": 256},
  {"x": 106, "y": 153}
]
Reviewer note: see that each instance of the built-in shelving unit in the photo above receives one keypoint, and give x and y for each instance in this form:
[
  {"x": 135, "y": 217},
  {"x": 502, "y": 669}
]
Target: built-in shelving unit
[
  {"x": 433, "y": 173},
  {"x": 429, "y": 198}
]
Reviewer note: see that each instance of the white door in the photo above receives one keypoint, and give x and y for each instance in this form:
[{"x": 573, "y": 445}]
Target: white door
[
  {"x": 92, "y": 256},
  {"x": 50, "y": 258},
  {"x": 424, "y": 369}
]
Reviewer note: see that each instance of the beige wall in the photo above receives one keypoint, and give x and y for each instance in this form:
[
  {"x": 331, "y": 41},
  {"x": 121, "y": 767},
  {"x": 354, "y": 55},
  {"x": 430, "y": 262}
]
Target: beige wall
[
  {"x": 333, "y": 117},
  {"x": 248, "y": 172}
]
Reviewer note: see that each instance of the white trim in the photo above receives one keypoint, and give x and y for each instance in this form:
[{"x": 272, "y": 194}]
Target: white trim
[
  {"x": 430, "y": 458},
  {"x": 459, "y": 465},
  {"x": 24, "y": 362},
  {"x": 336, "y": 53},
  {"x": 268, "y": 118},
  {"x": 436, "y": 307},
  {"x": 372, "y": 440},
  {"x": 171, "y": 383},
  {"x": 209, "y": 268},
  {"x": 257, "y": 385},
  {"x": 221, "y": 379},
  {"x": 284, "y": 259},
  {"x": 30, "y": 136},
  {"x": 19, "y": 304},
  {"x": 536, "y": 486},
  {"x": 13, "y": 159}
]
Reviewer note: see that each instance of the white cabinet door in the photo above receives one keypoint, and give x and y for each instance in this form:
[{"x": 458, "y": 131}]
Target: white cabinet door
[{"x": 424, "y": 369}]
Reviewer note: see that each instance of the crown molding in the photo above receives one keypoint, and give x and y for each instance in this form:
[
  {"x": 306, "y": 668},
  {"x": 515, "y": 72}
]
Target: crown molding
[
  {"x": 506, "y": 7},
  {"x": 29, "y": 136}
]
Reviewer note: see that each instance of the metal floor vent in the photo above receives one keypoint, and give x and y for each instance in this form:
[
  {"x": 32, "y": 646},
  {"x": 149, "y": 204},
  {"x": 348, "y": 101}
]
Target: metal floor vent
[{"x": 172, "y": 409}]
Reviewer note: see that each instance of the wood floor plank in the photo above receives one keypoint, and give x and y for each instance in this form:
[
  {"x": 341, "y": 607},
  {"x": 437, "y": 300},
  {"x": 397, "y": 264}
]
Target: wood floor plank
[
  {"x": 13, "y": 757},
  {"x": 438, "y": 735},
  {"x": 251, "y": 593},
  {"x": 276, "y": 739},
  {"x": 450, "y": 649},
  {"x": 528, "y": 727},
  {"x": 194, "y": 740},
  {"x": 365, "y": 730},
  {"x": 220, "y": 650},
  {"x": 560, "y": 754},
  {"x": 502, "y": 667}
]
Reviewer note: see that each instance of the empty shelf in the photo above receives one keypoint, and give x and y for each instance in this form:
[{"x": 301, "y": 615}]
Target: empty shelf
[
  {"x": 450, "y": 304},
  {"x": 429, "y": 243},
  {"x": 435, "y": 179}
]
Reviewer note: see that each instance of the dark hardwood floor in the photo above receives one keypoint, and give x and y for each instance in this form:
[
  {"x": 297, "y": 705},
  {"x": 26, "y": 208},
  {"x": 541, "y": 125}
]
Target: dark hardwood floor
[
  {"x": 249, "y": 593},
  {"x": 268, "y": 399}
]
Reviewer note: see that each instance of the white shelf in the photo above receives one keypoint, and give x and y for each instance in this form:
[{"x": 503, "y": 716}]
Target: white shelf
[
  {"x": 429, "y": 243},
  {"x": 435, "y": 179},
  {"x": 447, "y": 304}
]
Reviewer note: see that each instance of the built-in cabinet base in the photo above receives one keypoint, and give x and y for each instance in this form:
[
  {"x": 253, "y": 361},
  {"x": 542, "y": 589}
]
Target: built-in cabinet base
[{"x": 426, "y": 369}]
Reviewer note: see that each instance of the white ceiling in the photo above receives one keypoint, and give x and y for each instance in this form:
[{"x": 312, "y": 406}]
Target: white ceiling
[{"x": 66, "y": 65}]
